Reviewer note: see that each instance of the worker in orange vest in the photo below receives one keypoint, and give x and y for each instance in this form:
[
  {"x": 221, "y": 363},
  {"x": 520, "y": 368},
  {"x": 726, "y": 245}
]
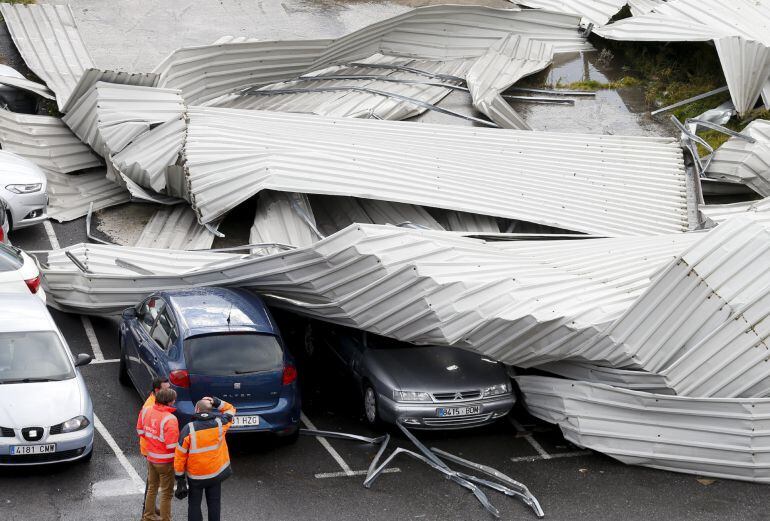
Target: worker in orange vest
[
  {"x": 202, "y": 458},
  {"x": 158, "y": 383},
  {"x": 161, "y": 432}
]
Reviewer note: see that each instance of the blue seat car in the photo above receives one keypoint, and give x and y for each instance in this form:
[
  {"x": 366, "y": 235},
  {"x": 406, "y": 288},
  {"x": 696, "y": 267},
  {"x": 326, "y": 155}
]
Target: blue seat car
[{"x": 213, "y": 342}]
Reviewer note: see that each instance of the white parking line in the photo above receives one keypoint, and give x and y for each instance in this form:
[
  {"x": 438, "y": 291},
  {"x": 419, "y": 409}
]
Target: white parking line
[
  {"x": 535, "y": 445},
  {"x": 91, "y": 334},
  {"x": 346, "y": 470},
  {"x": 51, "y": 235},
  {"x": 137, "y": 480},
  {"x": 325, "y": 475},
  {"x": 108, "y": 361},
  {"x": 552, "y": 456}
]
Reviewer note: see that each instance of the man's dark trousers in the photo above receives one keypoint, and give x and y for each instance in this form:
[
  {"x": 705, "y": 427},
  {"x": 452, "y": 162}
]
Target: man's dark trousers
[{"x": 213, "y": 501}]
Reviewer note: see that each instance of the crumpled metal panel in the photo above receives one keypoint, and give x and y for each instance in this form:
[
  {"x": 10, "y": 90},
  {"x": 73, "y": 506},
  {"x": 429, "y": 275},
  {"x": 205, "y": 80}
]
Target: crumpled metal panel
[
  {"x": 414, "y": 285},
  {"x": 642, "y": 7},
  {"x": 147, "y": 158},
  {"x": 27, "y": 85},
  {"x": 739, "y": 161},
  {"x": 93, "y": 75},
  {"x": 467, "y": 222},
  {"x": 625, "y": 378},
  {"x": 438, "y": 33},
  {"x": 720, "y": 437},
  {"x": 283, "y": 218},
  {"x": 111, "y": 115},
  {"x": 738, "y": 28},
  {"x": 70, "y": 196},
  {"x": 46, "y": 141},
  {"x": 48, "y": 39},
  {"x": 175, "y": 228},
  {"x": 505, "y": 63},
  {"x": 584, "y": 183},
  {"x": 719, "y": 213},
  {"x": 597, "y": 12}
]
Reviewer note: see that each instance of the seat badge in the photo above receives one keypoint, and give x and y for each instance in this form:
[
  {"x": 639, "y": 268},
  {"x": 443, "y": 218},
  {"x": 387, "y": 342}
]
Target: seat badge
[{"x": 237, "y": 385}]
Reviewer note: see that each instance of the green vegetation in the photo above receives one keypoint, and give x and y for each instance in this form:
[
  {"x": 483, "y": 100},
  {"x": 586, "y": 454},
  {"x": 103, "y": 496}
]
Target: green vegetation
[
  {"x": 18, "y": 1},
  {"x": 593, "y": 85}
]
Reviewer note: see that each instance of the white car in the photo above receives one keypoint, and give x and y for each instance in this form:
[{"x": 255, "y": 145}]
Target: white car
[
  {"x": 23, "y": 188},
  {"x": 18, "y": 272},
  {"x": 46, "y": 413}
]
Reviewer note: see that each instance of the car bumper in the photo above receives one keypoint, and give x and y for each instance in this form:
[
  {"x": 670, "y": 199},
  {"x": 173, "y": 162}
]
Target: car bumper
[
  {"x": 71, "y": 446},
  {"x": 283, "y": 418},
  {"x": 21, "y": 206},
  {"x": 425, "y": 415}
]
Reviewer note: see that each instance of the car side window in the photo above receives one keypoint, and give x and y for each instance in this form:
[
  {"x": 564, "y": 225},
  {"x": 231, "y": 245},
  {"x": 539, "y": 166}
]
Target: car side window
[
  {"x": 164, "y": 332},
  {"x": 149, "y": 311}
]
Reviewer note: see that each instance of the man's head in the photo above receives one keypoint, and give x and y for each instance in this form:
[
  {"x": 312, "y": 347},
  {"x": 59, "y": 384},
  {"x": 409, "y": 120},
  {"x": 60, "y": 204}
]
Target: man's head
[
  {"x": 204, "y": 405},
  {"x": 165, "y": 396},
  {"x": 159, "y": 383}
]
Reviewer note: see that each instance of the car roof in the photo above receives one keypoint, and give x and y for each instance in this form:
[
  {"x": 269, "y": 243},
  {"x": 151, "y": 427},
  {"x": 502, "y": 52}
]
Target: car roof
[
  {"x": 24, "y": 312},
  {"x": 202, "y": 310}
]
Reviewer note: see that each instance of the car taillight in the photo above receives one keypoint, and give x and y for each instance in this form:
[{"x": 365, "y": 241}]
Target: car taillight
[
  {"x": 289, "y": 374},
  {"x": 33, "y": 284},
  {"x": 180, "y": 378},
  {"x": 2, "y": 234}
]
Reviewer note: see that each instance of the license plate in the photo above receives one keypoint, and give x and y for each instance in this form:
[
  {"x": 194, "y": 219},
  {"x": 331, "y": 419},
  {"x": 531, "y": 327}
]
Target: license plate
[
  {"x": 245, "y": 421},
  {"x": 458, "y": 411},
  {"x": 23, "y": 450}
]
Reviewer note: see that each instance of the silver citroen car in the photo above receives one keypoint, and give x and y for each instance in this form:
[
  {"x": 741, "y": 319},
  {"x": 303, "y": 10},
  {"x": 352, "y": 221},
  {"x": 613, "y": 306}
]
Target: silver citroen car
[
  {"x": 46, "y": 415},
  {"x": 422, "y": 387}
]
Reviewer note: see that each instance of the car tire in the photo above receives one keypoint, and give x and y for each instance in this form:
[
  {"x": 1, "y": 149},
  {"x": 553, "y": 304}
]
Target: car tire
[
  {"x": 123, "y": 377},
  {"x": 289, "y": 439},
  {"x": 371, "y": 412}
]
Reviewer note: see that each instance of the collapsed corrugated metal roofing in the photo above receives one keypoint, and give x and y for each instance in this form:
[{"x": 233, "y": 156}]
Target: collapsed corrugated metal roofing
[
  {"x": 177, "y": 228},
  {"x": 48, "y": 39},
  {"x": 232, "y": 155},
  {"x": 720, "y": 437},
  {"x": 741, "y": 161},
  {"x": 719, "y": 213},
  {"x": 595, "y": 11},
  {"x": 738, "y": 28},
  {"x": 45, "y": 141},
  {"x": 70, "y": 196}
]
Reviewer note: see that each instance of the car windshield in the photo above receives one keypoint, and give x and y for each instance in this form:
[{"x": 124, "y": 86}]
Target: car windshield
[
  {"x": 33, "y": 356},
  {"x": 10, "y": 258},
  {"x": 233, "y": 353}
]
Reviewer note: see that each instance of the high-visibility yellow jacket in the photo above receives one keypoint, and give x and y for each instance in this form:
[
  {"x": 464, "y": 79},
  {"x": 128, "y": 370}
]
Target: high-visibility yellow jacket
[
  {"x": 140, "y": 432},
  {"x": 202, "y": 453},
  {"x": 161, "y": 432}
]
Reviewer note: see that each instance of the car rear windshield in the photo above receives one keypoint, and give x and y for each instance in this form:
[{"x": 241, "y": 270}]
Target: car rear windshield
[
  {"x": 10, "y": 258},
  {"x": 233, "y": 353},
  {"x": 33, "y": 356}
]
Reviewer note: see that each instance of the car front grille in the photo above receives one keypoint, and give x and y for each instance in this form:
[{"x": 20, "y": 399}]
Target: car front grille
[
  {"x": 453, "y": 397},
  {"x": 56, "y": 429},
  {"x": 6, "y": 432},
  {"x": 51, "y": 457},
  {"x": 457, "y": 421}
]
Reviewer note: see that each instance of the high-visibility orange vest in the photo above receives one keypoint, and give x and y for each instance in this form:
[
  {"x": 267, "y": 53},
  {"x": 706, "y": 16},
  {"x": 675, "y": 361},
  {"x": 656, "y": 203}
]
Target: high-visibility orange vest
[
  {"x": 202, "y": 453},
  {"x": 161, "y": 432},
  {"x": 140, "y": 432}
]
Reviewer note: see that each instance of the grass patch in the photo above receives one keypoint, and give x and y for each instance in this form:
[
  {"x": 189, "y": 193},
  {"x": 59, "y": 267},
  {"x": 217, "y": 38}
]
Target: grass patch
[
  {"x": 18, "y": 1},
  {"x": 593, "y": 85}
]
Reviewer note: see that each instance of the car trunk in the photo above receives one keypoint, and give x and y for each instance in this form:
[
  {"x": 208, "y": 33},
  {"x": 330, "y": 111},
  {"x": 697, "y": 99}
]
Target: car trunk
[{"x": 254, "y": 390}]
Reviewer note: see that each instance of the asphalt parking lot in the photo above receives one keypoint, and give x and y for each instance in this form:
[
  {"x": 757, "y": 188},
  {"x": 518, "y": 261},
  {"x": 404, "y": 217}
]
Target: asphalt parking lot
[{"x": 316, "y": 479}]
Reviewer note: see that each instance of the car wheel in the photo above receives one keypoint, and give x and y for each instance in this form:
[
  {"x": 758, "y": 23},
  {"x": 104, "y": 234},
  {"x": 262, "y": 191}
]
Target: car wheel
[
  {"x": 123, "y": 377},
  {"x": 370, "y": 406}
]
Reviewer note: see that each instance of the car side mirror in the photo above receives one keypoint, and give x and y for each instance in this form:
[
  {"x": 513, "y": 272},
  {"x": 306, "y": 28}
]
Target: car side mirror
[
  {"x": 82, "y": 359},
  {"x": 130, "y": 313}
]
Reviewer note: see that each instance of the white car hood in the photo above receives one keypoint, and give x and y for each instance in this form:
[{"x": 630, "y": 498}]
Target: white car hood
[
  {"x": 17, "y": 170},
  {"x": 40, "y": 404}
]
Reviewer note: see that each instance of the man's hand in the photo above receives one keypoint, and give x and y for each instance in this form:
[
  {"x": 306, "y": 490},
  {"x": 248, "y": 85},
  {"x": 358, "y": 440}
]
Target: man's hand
[{"x": 181, "y": 488}]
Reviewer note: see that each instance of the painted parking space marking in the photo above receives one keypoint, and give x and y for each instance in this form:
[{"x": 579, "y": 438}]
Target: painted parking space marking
[
  {"x": 137, "y": 481},
  {"x": 558, "y": 455},
  {"x": 346, "y": 470},
  {"x": 91, "y": 334},
  {"x": 51, "y": 235},
  {"x": 530, "y": 439},
  {"x": 108, "y": 361},
  {"x": 325, "y": 475}
]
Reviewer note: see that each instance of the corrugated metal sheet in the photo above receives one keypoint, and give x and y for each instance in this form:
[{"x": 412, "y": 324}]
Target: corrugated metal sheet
[
  {"x": 44, "y": 140},
  {"x": 48, "y": 39},
  {"x": 111, "y": 115},
  {"x": 146, "y": 159},
  {"x": 739, "y": 161},
  {"x": 578, "y": 182},
  {"x": 27, "y": 85},
  {"x": 175, "y": 228},
  {"x": 719, "y": 213},
  {"x": 93, "y": 75},
  {"x": 739, "y": 29},
  {"x": 505, "y": 63},
  {"x": 624, "y": 378},
  {"x": 724, "y": 438},
  {"x": 642, "y": 7},
  {"x": 414, "y": 285},
  {"x": 70, "y": 196},
  {"x": 438, "y": 33},
  {"x": 597, "y": 12},
  {"x": 283, "y": 218},
  {"x": 467, "y": 222}
]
